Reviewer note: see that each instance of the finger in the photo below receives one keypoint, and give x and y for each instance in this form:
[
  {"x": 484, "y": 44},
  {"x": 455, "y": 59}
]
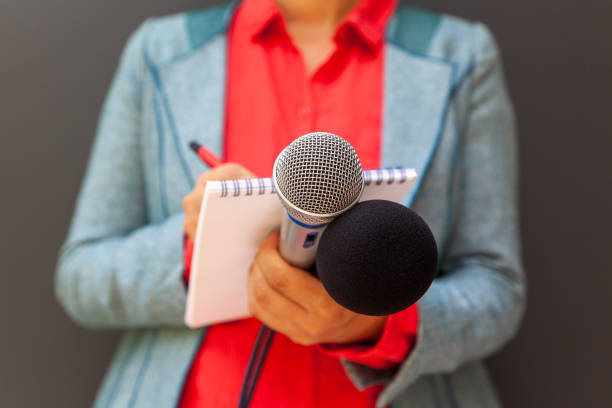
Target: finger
[
  {"x": 240, "y": 172},
  {"x": 192, "y": 203},
  {"x": 193, "y": 200},
  {"x": 278, "y": 312},
  {"x": 271, "y": 307},
  {"x": 267, "y": 296},
  {"x": 187, "y": 202},
  {"x": 294, "y": 283},
  {"x": 226, "y": 171}
]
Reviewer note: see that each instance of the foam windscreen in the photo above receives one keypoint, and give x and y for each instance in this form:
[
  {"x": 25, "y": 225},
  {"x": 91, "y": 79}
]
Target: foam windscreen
[{"x": 378, "y": 258}]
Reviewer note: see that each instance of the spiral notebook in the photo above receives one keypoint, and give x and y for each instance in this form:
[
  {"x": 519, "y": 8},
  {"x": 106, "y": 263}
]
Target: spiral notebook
[{"x": 236, "y": 216}]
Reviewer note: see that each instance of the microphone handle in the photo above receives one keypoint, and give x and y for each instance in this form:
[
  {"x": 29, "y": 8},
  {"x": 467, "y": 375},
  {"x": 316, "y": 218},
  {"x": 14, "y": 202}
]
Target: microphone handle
[
  {"x": 299, "y": 241},
  {"x": 298, "y": 246}
]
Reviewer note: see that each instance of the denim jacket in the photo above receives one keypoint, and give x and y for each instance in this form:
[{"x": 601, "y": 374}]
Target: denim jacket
[{"x": 446, "y": 113}]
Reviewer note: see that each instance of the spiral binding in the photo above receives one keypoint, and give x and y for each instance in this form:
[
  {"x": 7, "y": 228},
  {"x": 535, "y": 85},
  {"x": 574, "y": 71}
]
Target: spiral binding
[
  {"x": 261, "y": 186},
  {"x": 389, "y": 174}
]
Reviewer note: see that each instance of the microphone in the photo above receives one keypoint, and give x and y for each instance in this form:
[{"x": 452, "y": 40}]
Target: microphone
[
  {"x": 378, "y": 258},
  {"x": 317, "y": 178}
]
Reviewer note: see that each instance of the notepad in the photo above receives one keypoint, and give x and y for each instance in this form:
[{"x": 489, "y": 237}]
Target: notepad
[{"x": 235, "y": 218}]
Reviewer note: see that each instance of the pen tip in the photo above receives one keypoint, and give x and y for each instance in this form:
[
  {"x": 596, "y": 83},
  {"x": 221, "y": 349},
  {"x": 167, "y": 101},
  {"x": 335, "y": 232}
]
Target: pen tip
[{"x": 195, "y": 146}]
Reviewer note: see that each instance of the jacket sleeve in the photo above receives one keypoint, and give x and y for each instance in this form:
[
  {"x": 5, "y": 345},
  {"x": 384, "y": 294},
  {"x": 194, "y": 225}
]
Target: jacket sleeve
[
  {"x": 391, "y": 348},
  {"x": 476, "y": 304},
  {"x": 116, "y": 269}
]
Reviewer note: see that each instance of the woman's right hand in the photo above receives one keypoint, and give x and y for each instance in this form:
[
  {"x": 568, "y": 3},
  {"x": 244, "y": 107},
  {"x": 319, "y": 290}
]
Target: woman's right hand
[{"x": 193, "y": 201}]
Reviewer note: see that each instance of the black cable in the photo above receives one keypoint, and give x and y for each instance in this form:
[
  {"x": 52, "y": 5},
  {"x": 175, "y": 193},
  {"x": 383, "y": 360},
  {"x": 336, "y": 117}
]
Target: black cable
[
  {"x": 247, "y": 375},
  {"x": 256, "y": 361},
  {"x": 259, "y": 366}
]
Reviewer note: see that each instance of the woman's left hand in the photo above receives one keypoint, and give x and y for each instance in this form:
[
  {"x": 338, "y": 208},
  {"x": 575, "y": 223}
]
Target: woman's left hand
[{"x": 293, "y": 302}]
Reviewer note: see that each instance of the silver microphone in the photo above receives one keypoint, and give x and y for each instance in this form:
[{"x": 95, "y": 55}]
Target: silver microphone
[{"x": 317, "y": 178}]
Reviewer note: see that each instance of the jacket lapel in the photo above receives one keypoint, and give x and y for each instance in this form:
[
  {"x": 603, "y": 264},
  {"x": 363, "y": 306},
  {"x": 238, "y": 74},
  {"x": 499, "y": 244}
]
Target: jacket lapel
[
  {"x": 417, "y": 91},
  {"x": 190, "y": 83},
  {"x": 193, "y": 97}
]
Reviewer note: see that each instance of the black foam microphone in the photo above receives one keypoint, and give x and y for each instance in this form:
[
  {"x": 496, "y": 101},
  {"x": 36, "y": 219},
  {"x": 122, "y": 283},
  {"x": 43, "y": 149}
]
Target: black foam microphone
[{"x": 378, "y": 258}]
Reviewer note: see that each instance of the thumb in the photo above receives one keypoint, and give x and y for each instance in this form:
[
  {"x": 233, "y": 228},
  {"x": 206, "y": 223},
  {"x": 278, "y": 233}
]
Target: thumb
[
  {"x": 232, "y": 171},
  {"x": 271, "y": 241}
]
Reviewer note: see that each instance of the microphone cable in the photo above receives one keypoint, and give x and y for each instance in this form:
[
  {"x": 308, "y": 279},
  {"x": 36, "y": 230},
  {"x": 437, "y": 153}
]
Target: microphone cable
[{"x": 256, "y": 362}]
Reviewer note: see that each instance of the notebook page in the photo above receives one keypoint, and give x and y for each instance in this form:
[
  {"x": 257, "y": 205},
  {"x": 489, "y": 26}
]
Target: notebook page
[{"x": 230, "y": 231}]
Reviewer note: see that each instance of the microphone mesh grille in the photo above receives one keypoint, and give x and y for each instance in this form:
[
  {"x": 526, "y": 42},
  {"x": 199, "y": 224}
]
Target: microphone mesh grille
[{"x": 319, "y": 173}]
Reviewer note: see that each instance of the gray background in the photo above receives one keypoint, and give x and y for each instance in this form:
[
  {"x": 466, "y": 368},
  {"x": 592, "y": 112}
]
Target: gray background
[{"x": 56, "y": 62}]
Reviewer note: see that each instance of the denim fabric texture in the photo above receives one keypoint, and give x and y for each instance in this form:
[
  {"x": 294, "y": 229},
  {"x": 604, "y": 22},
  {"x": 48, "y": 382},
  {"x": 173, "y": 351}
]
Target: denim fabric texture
[{"x": 446, "y": 112}]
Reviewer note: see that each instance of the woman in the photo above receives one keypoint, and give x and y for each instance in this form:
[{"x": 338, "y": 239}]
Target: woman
[{"x": 405, "y": 87}]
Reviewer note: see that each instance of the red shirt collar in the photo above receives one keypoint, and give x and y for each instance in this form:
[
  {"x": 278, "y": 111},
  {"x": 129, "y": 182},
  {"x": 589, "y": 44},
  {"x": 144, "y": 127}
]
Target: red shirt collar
[{"x": 368, "y": 20}]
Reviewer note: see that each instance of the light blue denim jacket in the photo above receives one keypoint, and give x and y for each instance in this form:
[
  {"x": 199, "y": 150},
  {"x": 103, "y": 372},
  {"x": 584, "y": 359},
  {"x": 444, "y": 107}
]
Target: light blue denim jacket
[{"x": 446, "y": 113}]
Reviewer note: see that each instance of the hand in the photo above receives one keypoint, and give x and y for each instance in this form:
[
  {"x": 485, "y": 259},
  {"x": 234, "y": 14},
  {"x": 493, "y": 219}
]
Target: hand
[
  {"x": 295, "y": 303},
  {"x": 193, "y": 201}
]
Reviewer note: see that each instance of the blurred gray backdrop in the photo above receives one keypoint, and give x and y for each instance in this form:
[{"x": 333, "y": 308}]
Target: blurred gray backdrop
[{"x": 56, "y": 62}]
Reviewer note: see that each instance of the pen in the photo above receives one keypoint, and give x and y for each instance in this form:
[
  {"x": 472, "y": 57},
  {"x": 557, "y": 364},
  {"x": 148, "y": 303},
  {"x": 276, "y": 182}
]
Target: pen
[{"x": 206, "y": 155}]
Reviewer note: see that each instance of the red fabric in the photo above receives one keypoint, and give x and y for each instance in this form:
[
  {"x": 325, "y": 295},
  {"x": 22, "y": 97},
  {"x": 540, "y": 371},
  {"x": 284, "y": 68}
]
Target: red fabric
[{"x": 271, "y": 100}]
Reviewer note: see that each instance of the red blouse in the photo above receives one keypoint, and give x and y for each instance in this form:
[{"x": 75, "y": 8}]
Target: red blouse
[{"x": 271, "y": 100}]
